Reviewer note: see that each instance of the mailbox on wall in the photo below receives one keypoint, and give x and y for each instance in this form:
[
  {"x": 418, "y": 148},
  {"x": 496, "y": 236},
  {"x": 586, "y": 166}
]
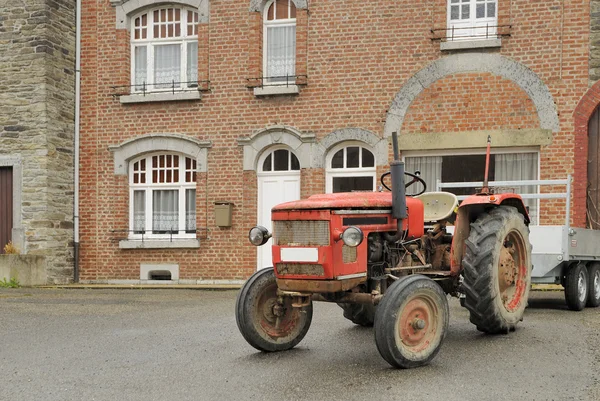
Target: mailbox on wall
[{"x": 223, "y": 214}]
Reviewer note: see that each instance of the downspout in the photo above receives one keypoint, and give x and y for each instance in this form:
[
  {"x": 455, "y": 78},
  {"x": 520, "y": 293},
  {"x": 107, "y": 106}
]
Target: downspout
[{"x": 76, "y": 139}]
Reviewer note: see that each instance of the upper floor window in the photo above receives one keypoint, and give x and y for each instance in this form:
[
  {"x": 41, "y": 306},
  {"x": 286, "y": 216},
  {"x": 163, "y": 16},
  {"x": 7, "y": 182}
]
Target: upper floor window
[
  {"x": 163, "y": 196},
  {"x": 472, "y": 19},
  {"x": 164, "y": 49},
  {"x": 350, "y": 168},
  {"x": 279, "y": 42}
]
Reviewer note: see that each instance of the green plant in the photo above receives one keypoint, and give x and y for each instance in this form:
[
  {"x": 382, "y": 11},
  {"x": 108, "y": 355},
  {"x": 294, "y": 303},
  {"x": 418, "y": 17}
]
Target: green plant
[
  {"x": 12, "y": 283},
  {"x": 10, "y": 249}
]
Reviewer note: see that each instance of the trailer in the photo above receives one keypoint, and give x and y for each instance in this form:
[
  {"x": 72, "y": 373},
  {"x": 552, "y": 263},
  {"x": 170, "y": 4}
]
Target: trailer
[{"x": 561, "y": 254}]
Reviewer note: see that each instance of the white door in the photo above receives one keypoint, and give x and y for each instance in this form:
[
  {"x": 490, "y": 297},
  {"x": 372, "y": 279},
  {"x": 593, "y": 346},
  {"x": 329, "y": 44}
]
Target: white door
[{"x": 278, "y": 182}]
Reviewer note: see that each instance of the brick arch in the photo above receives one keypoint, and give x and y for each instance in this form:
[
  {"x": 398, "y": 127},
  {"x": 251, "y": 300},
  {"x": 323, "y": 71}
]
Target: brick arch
[
  {"x": 588, "y": 103},
  {"x": 258, "y": 5},
  {"x": 524, "y": 77}
]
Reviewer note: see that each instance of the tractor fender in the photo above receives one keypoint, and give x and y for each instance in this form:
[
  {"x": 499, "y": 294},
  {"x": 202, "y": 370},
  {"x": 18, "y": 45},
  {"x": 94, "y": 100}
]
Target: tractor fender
[{"x": 469, "y": 210}]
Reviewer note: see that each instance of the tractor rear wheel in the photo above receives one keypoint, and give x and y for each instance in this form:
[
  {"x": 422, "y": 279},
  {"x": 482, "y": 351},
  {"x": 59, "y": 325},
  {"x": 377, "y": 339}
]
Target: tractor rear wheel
[
  {"x": 576, "y": 287},
  {"x": 268, "y": 321},
  {"x": 593, "y": 284},
  {"x": 360, "y": 314},
  {"x": 497, "y": 270},
  {"x": 411, "y": 322}
]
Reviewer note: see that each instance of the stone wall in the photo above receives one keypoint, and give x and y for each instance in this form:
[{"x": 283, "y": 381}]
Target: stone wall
[
  {"x": 37, "y": 60},
  {"x": 594, "y": 40}
]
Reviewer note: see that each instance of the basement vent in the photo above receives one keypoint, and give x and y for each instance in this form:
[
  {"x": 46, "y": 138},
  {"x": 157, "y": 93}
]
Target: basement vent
[{"x": 159, "y": 275}]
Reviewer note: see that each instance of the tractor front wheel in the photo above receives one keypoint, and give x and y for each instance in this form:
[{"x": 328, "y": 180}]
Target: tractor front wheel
[
  {"x": 497, "y": 270},
  {"x": 411, "y": 322},
  {"x": 268, "y": 321}
]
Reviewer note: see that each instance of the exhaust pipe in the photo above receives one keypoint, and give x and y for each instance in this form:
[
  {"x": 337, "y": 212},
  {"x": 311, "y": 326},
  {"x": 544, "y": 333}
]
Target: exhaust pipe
[{"x": 398, "y": 191}]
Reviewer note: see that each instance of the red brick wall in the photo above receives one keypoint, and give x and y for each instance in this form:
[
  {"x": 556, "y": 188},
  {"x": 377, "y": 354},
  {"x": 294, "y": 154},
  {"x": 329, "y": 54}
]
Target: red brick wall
[{"x": 358, "y": 55}]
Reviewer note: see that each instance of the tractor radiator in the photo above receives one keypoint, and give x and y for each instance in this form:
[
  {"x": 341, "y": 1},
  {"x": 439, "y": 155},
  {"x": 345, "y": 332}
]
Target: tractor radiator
[{"x": 301, "y": 232}]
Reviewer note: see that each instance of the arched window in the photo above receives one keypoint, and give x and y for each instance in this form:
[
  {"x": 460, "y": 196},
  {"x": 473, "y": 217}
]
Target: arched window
[
  {"x": 164, "y": 49},
  {"x": 279, "y": 42},
  {"x": 162, "y": 196},
  {"x": 350, "y": 167},
  {"x": 280, "y": 160}
]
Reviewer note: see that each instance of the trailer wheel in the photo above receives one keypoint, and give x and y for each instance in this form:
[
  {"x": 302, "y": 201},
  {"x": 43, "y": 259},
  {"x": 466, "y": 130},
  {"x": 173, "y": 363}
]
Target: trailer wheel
[
  {"x": 593, "y": 285},
  {"x": 360, "y": 314},
  {"x": 411, "y": 322},
  {"x": 267, "y": 321},
  {"x": 497, "y": 270},
  {"x": 576, "y": 287}
]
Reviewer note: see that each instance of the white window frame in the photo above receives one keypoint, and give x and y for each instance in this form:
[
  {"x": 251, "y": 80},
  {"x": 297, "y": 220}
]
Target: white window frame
[
  {"x": 431, "y": 187},
  {"x": 150, "y": 42},
  {"x": 267, "y": 80},
  {"x": 472, "y": 28},
  {"x": 148, "y": 187},
  {"x": 271, "y": 152},
  {"x": 331, "y": 173}
]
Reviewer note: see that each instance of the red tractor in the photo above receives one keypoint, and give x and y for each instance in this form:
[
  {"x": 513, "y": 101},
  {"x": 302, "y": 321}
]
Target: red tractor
[{"x": 388, "y": 260}]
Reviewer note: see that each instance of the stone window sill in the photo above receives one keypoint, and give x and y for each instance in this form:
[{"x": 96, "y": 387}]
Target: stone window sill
[
  {"x": 161, "y": 97},
  {"x": 466, "y": 44},
  {"x": 277, "y": 90},
  {"x": 159, "y": 244}
]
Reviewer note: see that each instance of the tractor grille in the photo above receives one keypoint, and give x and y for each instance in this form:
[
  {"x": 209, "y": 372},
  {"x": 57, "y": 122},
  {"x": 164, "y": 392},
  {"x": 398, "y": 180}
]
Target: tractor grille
[
  {"x": 301, "y": 232},
  {"x": 300, "y": 269},
  {"x": 348, "y": 254}
]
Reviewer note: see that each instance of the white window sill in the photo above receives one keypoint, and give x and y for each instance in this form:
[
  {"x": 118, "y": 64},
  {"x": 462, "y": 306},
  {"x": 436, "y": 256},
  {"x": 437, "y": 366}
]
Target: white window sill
[
  {"x": 469, "y": 43},
  {"x": 270, "y": 90},
  {"x": 159, "y": 244},
  {"x": 161, "y": 97}
]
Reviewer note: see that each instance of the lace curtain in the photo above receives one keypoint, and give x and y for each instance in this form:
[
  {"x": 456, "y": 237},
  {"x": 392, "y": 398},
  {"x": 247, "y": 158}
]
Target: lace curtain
[{"x": 281, "y": 52}]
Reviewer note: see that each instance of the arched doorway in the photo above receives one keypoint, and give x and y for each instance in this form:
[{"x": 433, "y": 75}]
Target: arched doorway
[{"x": 278, "y": 173}]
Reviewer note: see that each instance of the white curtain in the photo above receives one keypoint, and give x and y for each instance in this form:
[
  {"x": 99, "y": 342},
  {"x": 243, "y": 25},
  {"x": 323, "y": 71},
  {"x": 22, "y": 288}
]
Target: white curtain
[
  {"x": 430, "y": 168},
  {"x": 516, "y": 167},
  {"x": 139, "y": 211},
  {"x": 141, "y": 67},
  {"x": 167, "y": 65},
  {"x": 281, "y": 52},
  {"x": 190, "y": 210},
  {"x": 192, "y": 64},
  {"x": 165, "y": 210}
]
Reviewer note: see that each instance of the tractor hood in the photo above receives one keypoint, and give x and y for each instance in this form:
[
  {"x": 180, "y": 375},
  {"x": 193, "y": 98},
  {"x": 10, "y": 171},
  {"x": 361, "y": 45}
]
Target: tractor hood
[{"x": 345, "y": 200}]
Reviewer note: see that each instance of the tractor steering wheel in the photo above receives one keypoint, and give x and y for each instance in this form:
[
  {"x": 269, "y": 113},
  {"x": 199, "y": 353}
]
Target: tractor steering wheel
[{"x": 415, "y": 178}]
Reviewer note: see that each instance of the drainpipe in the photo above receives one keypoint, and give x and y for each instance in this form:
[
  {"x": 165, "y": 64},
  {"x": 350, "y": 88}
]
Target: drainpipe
[{"x": 76, "y": 139}]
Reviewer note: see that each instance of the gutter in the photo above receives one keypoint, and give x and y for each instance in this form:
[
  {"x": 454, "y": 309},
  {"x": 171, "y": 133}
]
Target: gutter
[{"x": 76, "y": 139}]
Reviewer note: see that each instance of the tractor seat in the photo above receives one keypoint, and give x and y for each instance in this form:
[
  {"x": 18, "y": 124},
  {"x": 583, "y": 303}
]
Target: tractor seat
[{"x": 438, "y": 205}]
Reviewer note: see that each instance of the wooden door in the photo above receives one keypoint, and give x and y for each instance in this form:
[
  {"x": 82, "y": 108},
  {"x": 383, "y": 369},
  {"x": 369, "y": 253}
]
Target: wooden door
[{"x": 6, "y": 206}]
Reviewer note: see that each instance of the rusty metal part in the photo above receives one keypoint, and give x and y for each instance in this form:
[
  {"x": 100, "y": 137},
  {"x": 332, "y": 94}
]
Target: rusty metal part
[
  {"x": 418, "y": 322},
  {"x": 319, "y": 285},
  {"x": 512, "y": 269},
  {"x": 351, "y": 298},
  {"x": 308, "y": 269},
  {"x": 413, "y": 267}
]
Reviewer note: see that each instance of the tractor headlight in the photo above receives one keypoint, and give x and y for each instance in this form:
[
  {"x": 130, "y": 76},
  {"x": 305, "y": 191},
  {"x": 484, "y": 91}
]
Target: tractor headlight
[
  {"x": 259, "y": 235},
  {"x": 352, "y": 236}
]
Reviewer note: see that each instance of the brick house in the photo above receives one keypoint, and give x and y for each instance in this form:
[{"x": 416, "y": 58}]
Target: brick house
[
  {"x": 37, "y": 100},
  {"x": 195, "y": 108}
]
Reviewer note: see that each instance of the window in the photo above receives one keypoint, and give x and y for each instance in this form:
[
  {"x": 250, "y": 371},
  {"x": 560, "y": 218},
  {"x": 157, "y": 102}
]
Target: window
[
  {"x": 472, "y": 19},
  {"x": 350, "y": 168},
  {"x": 163, "y": 196},
  {"x": 164, "y": 50},
  {"x": 280, "y": 160},
  {"x": 471, "y": 168},
  {"x": 279, "y": 42}
]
